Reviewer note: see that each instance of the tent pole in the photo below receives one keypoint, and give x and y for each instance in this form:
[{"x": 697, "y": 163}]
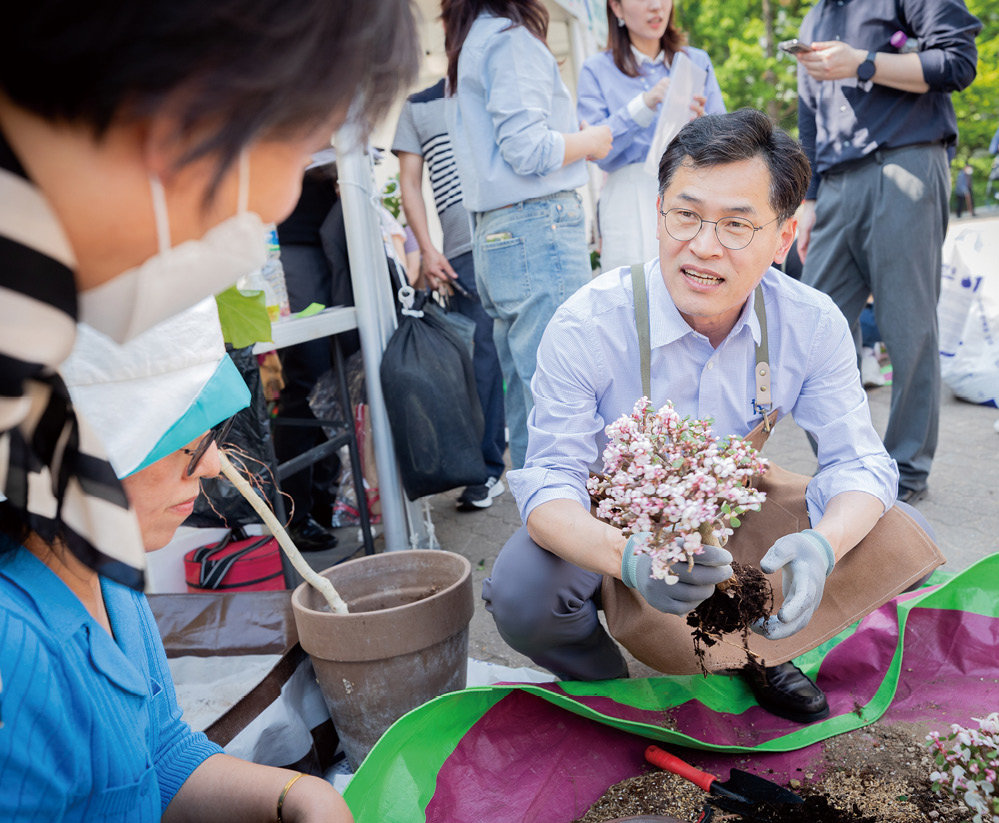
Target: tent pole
[{"x": 375, "y": 320}]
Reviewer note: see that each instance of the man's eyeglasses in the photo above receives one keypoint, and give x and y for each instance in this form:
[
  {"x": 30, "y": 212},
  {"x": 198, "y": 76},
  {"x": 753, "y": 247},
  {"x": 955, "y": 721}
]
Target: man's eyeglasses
[
  {"x": 732, "y": 232},
  {"x": 217, "y": 434}
]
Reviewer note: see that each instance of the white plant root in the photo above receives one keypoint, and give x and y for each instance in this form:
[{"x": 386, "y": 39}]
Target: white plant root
[{"x": 317, "y": 581}]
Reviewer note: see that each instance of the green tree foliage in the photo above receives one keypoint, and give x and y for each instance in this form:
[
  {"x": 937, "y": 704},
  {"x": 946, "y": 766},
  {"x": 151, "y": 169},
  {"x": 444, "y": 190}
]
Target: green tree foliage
[{"x": 741, "y": 38}]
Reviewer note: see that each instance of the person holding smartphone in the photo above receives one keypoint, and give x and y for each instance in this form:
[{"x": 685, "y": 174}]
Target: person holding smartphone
[
  {"x": 623, "y": 88},
  {"x": 519, "y": 152},
  {"x": 877, "y": 123}
]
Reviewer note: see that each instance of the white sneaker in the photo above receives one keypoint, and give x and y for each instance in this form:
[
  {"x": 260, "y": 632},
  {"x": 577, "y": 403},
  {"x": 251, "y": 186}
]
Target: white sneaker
[
  {"x": 480, "y": 497},
  {"x": 870, "y": 369}
]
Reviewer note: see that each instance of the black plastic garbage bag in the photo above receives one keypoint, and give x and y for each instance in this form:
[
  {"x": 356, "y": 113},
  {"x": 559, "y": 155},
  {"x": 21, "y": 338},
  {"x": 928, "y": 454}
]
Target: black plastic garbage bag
[
  {"x": 248, "y": 444},
  {"x": 431, "y": 400}
]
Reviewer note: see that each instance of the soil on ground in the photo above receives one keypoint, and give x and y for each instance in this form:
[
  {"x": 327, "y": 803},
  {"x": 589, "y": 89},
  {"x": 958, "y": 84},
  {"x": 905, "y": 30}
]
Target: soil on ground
[{"x": 878, "y": 774}]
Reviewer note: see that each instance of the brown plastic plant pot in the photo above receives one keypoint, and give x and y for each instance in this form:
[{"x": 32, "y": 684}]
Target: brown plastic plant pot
[{"x": 404, "y": 642}]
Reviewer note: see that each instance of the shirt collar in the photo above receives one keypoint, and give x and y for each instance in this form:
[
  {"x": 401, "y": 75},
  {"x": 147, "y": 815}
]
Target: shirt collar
[
  {"x": 666, "y": 324},
  {"x": 64, "y": 614},
  {"x": 642, "y": 58}
]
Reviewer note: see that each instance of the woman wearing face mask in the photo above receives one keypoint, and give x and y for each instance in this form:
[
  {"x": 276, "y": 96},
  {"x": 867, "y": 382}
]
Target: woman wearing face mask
[
  {"x": 623, "y": 88},
  {"x": 137, "y": 183},
  {"x": 519, "y": 153},
  {"x": 92, "y": 730}
]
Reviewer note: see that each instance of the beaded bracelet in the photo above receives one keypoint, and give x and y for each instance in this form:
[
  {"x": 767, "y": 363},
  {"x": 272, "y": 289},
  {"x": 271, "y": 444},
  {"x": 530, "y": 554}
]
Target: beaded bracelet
[{"x": 284, "y": 794}]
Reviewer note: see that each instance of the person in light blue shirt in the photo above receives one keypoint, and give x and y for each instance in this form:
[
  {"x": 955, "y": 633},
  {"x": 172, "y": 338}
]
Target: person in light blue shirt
[
  {"x": 520, "y": 157},
  {"x": 91, "y": 727},
  {"x": 623, "y": 88},
  {"x": 730, "y": 185}
]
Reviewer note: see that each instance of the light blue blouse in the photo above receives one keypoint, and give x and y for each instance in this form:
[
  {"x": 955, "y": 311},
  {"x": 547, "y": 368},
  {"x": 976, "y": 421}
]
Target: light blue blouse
[
  {"x": 91, "y": 727},
  {"x": 588, "y": 375},
  {"x": 508, "y": 117},
  {"x": 609, "y": 97}
]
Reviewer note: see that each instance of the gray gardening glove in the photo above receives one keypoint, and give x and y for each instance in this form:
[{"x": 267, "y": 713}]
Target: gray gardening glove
[
  {"x": 695, "y": 585},
  {"x": 806, "y": 559}
]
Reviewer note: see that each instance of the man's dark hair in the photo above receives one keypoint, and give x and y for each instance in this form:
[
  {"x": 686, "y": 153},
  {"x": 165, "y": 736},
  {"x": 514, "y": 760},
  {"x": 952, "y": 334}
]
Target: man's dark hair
[
  {"x": 236, "y": 70},
  {"x": 716, "y": 139}
]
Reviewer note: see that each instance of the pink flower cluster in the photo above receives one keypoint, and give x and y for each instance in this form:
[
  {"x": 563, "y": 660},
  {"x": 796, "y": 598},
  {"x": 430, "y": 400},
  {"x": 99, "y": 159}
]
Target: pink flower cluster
[
  {"x": 670, "y": 476},
  {"x": 967, "y": 762}
]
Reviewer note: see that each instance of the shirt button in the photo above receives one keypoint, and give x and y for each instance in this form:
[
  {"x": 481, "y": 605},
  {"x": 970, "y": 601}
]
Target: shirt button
[
  {"x": 711, "y": 365},
  {"x": 842, "y": 108}
]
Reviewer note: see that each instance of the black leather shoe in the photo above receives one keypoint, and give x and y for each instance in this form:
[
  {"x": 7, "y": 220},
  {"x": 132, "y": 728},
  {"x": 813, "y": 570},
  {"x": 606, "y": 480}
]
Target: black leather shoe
[
  {"x": 910, "y": 496},
  {"x": 309, "y": 536},
  {"x": 785, "y": 691}
]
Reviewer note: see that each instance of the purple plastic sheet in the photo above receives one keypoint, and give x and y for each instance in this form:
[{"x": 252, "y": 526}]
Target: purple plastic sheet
[{"x": 527, "y": 760}]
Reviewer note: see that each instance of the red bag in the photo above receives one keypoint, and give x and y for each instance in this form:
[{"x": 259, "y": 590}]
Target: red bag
[{"x": 237, "y": 563}]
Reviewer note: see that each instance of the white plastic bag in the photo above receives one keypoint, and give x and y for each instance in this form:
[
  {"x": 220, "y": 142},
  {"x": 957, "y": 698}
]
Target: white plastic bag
[{"x": 968, "y": 314}]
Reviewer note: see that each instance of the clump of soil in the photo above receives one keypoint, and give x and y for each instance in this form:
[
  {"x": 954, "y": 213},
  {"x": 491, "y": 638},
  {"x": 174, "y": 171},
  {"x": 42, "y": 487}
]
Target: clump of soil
[
  {"x": 878, "y": 774},
  {"x": 746, "y": 597}
]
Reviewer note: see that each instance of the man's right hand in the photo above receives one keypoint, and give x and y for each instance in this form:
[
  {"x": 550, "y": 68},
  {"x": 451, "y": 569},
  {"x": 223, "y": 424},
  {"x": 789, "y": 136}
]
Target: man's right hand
[
  {"x": 806, "y": 222},
  {"x": 436, "y": 268},
  {"x": 696, "y": 584}
]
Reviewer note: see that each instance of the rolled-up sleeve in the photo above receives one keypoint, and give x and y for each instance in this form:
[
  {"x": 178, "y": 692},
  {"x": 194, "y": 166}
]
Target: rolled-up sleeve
[
  {"x": 832, "y": 407},
  {"x": 564, "y": 425},
  {"x": 947, "y": 51},
  {"x": 518, "y": 82}
]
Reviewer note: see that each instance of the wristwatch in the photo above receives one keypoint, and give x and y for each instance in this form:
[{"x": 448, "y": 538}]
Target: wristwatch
[{"x": 865, "y": 71}]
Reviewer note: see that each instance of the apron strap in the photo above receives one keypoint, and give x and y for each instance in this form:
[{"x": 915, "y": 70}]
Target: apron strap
[{"x": 762, "y": 403}]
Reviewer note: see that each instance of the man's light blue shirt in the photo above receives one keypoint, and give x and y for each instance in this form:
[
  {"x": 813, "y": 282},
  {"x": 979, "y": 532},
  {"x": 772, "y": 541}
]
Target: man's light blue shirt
[
  {"x": 608, "y": 97},
  {"x": 508, "y": 118},
  {"x": 588, "y": 375}
]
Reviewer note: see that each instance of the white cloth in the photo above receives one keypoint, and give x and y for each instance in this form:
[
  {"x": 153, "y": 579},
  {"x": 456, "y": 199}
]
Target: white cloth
[{"x": 627, "y": 217}]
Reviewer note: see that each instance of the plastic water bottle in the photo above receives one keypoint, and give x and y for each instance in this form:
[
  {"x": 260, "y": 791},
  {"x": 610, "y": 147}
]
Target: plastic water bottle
[{"x": 276, "y": 289}]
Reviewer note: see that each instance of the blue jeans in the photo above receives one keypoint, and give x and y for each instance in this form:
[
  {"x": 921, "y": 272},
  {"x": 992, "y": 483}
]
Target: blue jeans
[
  {"x": 485, "y": 363},
  {"x": 529, "y": 258}
]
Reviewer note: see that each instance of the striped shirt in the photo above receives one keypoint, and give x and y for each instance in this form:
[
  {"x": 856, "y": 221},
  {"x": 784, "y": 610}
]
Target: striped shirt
[
  {"x": 422, "y": 130},
  {"x": 52, "y": 466}
]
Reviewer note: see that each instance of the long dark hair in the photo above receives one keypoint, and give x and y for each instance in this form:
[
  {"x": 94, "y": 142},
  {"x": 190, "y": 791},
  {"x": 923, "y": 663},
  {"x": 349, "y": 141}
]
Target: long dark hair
[
  {"x": 458, "y": 16},
  {"x": 619, "y": 43}
]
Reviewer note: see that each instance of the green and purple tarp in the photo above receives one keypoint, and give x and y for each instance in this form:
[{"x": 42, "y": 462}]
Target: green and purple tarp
[{"x": 521, "y": 753}]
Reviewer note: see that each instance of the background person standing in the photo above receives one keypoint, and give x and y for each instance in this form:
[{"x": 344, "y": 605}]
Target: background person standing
[
  {"x": 876, "y": 125},
  {"x": 623, "y": 88},
  {"x": 421, "y": 135},
  {"x": 520, "y": 153}
]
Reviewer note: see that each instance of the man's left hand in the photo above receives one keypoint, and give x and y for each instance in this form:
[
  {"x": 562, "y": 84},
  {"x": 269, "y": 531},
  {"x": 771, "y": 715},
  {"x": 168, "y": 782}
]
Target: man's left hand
[
  {"x": 832, "y": 60},
  {"x": 806, "y": 559}
]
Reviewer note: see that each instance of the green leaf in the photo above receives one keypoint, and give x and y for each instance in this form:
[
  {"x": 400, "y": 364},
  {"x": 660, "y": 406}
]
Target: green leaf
[
  {"x": 243, "y": 317},
  {"x": 735, "y": 522}
]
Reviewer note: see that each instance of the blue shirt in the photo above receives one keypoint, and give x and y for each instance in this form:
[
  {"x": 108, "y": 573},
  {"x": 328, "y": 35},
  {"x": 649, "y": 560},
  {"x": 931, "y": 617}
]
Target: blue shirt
[
  {"x": 840, "y": 121},
  {"x": 508, "y": 118},
  {"x": 92, "y": 730},
  {"x": 588, "y": 375},
  {"x": 607, "y": 96}
]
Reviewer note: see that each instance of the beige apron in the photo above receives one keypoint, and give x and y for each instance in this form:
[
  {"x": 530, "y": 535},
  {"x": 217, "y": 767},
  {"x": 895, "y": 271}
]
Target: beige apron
[{"x": 894, "y": 555}]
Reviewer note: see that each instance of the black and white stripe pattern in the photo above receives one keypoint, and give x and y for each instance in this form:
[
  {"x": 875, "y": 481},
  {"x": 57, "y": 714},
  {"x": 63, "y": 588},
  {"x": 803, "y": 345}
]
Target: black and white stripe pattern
[
  {"x": 52, "y": 467},
  {"x": 439, "y": 157}
]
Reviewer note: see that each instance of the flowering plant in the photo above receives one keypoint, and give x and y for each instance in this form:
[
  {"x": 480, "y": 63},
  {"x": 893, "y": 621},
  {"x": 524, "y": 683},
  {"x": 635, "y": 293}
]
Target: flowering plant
[
  {"x": 967, "y": 763},
  {"x": 673, "y": 479}
]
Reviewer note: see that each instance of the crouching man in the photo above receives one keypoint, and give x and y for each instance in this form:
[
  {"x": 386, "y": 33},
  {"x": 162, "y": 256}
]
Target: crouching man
[{"x": 729, "y": 186}]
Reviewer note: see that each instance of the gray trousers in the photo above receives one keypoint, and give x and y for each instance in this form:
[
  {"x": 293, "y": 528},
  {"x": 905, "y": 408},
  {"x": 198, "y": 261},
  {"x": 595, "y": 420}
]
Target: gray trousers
[
  {"x": 879, "y": 230},
  {"x": 546, "y": 608}
]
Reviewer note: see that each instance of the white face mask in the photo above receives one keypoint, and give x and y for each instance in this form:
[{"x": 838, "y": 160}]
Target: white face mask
[{"x": 177, "y": 277}]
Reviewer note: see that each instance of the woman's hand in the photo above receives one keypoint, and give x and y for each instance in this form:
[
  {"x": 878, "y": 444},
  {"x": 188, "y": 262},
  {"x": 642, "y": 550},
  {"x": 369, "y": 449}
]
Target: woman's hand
[
  {"x": 654, "y": 96},
  {"x": 698, "y": 104},
  {"x": 599, "y": 141}
]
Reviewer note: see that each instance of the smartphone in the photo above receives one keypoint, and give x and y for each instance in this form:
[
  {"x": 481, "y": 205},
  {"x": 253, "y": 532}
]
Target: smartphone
[{"x": 794, "y": 46}]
